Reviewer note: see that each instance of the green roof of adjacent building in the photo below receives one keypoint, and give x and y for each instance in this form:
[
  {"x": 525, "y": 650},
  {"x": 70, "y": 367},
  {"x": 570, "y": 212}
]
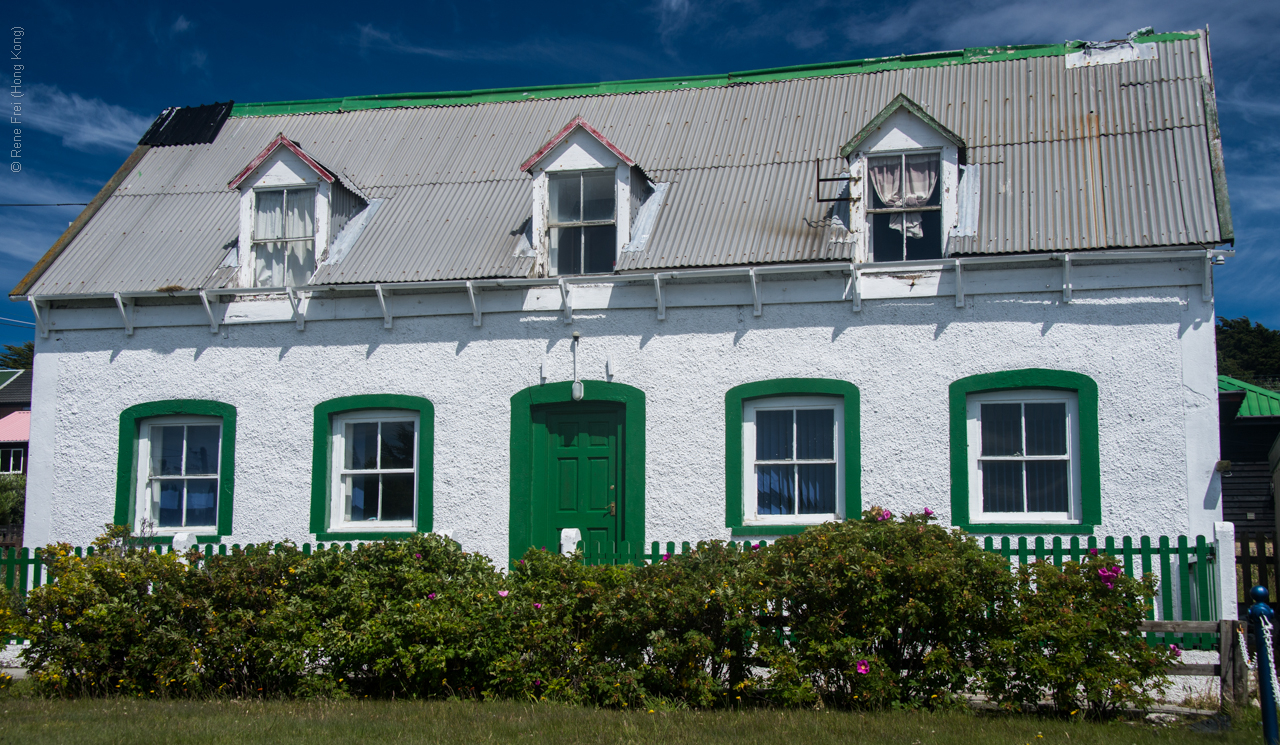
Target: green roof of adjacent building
[{"x": 1257, "y": 401}]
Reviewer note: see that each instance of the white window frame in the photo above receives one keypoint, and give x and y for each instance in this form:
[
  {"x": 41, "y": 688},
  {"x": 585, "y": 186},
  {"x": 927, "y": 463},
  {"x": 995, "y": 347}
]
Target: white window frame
[
  {"x": 553, "y": 260},
  {"x": 254, "y": 241},
  {"x": 144, "y": 479},
  {"x": 338, "y": 521},
  {"x": 974, "y": 403},
  {"x": 749, "y": 496},
  {"x": 18, "y": 454},
  {"x": 282, "y": 170},
  {"x": 869, "y": 191}
]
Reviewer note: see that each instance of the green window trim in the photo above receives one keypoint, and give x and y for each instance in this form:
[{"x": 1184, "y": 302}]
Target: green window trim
[
  {"x": 633, "y": 454},
  {"x": 127, "y": 459},
  {"x": 733, "y": 401},
  {"x": 320, "y": 476},
  {"x": 1086, "y": 391}
]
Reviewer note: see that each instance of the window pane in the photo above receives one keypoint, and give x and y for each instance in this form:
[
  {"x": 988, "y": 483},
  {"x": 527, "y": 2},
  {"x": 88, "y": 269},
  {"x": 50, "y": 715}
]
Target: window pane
[
  {"x": 1001, "y": 429},
  {"x": 597, "y": 195},
  {"x": 362, "y": 498},
  {"x": 170, "y": 511},
  {"x": 566, "y": 245},
  {"x": 886, "y": 181},
  {"x": 600, "y": 246},
  {"x": 1047, "y": 486},
  {"x": 397, "y": 496},
  {"x": 202, "y": 449},
  {"x": 815, "y": 434},
  {"x": 268, "y": 264},
  {"x": 566, "y": 198},
  {"x": 202, "y": 501},
  {"x": 1046, "y": 429},
  {"x": 817, "y": 488},
  {"x": 166, "y": 451},
  {"x": 362, "y": 446},
  {"x": 886, "y": 242},
  {"x": 300, "y": 261},
  {"x": 1002, "y": 486},
  {"x": 773, "y": 435},
  {"x": 775, "y": 490},
  {"x": 299, "y": 219},
  {"x": 929, "y": 245},
  {"x": 397, "y": 445},
  {"x": 269, "y": 215},
  {"x": 6, "y": 462}
]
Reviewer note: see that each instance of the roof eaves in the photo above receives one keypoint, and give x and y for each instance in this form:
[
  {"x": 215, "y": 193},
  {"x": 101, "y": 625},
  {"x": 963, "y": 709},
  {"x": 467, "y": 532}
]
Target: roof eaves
[
  {"x": 1259, "y": 402},
  {"x": 901, "y": 102},
  {"x": 767, "y": 75},
  {"x": 280, "y": 141},
  {"x": 577, "y": 123}
]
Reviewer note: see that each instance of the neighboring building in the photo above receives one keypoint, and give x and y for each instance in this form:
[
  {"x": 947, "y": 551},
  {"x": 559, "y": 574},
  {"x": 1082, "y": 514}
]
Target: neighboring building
[
  {"x": 1250, "y": 444},
  {"x": 15, "y": 419},
  {"x": 978, "y": 282}
]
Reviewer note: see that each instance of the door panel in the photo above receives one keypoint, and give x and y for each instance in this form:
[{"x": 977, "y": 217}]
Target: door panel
[{"x": 577, "y": 472}]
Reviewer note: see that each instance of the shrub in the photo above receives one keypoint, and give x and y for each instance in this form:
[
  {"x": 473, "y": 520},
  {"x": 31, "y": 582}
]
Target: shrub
[
  {"x": 13, "y": 498},
  {"x": 885, "y": 612},
  {"x": 1073, "y": 639}
]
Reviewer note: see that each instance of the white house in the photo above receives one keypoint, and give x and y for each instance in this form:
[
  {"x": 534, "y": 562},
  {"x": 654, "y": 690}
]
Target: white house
[{"x": 978, "y": 282}]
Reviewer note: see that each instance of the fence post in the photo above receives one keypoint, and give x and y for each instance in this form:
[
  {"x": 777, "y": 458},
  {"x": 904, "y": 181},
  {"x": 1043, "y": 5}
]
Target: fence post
[
  {"x": 1224, "y": 549},
  {"x": 1267, "y": 694}
]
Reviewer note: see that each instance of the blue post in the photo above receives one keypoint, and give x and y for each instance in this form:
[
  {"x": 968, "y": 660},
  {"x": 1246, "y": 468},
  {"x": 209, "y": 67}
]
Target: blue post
[{"x": 1258, "y": 611}]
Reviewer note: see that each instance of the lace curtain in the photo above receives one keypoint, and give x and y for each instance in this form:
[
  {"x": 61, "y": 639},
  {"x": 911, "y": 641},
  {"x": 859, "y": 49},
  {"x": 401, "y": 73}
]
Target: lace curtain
[{"x": 921, "y": 179}]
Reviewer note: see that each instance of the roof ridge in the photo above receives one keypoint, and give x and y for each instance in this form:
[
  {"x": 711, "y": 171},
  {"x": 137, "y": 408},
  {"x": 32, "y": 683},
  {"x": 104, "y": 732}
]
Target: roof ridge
[
  {"x": 968, "y": 55},
  {"x": 1249, "y": 387}
]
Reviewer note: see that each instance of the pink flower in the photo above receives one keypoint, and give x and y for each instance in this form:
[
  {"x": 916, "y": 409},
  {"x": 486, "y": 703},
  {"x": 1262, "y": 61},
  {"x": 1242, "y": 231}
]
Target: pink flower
[
  {"x": 1093, "y": 552},
  {"x": 417, "y": 556},
  {"x": 884, "y": 515},
  {"x": 503, "y": 593},
  {"x": 537, "y": 606},
  {"x": 864, "y": 667},
  {"x": 431, "y": 596},
  {"x": 1174, "y": 649},
  {"x": 666, "y": 557},
  {"x": 928, "y": 512}
]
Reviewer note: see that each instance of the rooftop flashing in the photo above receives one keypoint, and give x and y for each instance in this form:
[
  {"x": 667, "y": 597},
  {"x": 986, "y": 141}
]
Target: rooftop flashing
[{"x": 773, "y": 74}]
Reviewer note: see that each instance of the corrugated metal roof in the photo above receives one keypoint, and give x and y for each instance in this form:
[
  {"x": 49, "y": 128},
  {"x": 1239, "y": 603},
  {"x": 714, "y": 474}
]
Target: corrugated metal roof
[
  {"x": 1257, "y": 401},
  {"x": 16, "y": 427},
  {"x": 1070, "y": 159}
]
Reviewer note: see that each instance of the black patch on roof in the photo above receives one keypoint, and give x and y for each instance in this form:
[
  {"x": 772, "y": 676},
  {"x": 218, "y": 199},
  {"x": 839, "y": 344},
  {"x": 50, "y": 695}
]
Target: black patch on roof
[{"x": 190, "y": 125}]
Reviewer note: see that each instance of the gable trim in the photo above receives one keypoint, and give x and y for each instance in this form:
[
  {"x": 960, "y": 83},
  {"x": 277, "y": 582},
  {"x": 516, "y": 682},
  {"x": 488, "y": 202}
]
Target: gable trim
[
  {"x": 563, "y": 134},
  {"x": 901, "y": 102},
  {"x": 266, "y": 153}
]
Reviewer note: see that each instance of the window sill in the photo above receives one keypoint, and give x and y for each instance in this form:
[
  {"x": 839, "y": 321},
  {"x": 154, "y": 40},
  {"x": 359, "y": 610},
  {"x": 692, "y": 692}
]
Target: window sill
[
  {"x": 756, "y": 529},
  {"x": 339, "y": 536},
  {"x": 1026, "y": 528}
]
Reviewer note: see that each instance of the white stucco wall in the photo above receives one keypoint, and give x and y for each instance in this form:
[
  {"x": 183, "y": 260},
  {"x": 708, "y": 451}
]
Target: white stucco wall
[{"x": 1150, "y": 350}]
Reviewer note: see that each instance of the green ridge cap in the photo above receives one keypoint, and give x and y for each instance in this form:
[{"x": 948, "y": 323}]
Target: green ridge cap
[{"x": 768, "y": 75}]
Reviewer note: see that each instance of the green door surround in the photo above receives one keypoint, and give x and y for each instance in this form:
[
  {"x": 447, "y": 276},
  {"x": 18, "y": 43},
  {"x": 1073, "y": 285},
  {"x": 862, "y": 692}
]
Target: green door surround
[{"x": 523, "y": 452}]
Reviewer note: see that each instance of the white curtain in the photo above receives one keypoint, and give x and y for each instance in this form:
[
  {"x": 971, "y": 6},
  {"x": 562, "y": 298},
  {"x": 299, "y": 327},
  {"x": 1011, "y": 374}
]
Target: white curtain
[
  {"x": 288, "y": 215},
  {"x": 921, "y": 178}
]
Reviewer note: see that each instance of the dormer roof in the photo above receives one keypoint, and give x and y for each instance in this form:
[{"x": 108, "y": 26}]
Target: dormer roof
[
  {"x": 279, "y": 142},
  {"x": 577, "y": 123},
  {"x": 901, "y": 102}
]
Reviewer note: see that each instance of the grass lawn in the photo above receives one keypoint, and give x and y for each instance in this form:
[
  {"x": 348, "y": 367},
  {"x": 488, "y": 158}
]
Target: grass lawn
[{"x": 27, "y": 720}]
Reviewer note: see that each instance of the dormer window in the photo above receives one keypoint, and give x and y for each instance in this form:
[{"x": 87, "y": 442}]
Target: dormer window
[
  {"x": 583, "y": 220},
  {"x": 905, "y": 206},
  {"x": 284, "y": 247}
]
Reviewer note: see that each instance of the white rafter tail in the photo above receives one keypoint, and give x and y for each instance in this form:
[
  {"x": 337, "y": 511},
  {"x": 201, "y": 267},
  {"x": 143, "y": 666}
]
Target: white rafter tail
[
  {"x": 542, "y": 372},
  {"x": 959, "y": 285},
  {"x": 474, "y": 294},
  {"x": 608, "y": 368},
  {"x": 657, "y": 296},
  {"x": 126, "y": 312},
  {"x": 1206, "y": 287},
  {"x": 382, "y": 294},
  {"x": 208, "y": 311},
  {"x": 294, "y": 302},
  {"x": 1066, "y": 278},
  {"x": 42, "y": 325},
  {"x": 853, "y": 290},
  {"x": 566, "y": 301},
  {"x": 755, "y": 292}
]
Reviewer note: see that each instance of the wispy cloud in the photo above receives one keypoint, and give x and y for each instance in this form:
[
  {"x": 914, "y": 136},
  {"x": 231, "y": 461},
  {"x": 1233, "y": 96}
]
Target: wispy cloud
[
  {"x": 85, "y": 124},
  {"x": 371, "y": 38},
  {"x": 180, "y": 25}
]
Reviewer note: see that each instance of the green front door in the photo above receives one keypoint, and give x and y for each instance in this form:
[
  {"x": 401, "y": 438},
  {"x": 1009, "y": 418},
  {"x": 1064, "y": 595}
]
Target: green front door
[{"x": 577, "y": 473}]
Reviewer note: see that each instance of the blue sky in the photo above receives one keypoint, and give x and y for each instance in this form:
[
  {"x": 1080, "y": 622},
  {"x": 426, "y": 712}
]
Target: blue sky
[{"x": 96, "y": 74}]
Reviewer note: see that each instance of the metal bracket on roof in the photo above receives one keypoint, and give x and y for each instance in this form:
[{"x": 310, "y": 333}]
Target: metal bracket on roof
[
  {"x": 1206, "y": 287},
  {"x": 657, "y": 293},
  {"x": 853, "y": 290},
  {"x": 126, "y": 312},
  {"x": 295, "y": 301},
  {"x": 213, "y": 322},
  {"x": 474, "y": 294},
  {"x": 1066, "y": 278},
  {"x": 755, "y": 291},
  {"x": 382, "y": 300},
  {"x": 959, "y": 285},
  {"x": 566, "y": 301},
  {"x": 41, "y": 320}
]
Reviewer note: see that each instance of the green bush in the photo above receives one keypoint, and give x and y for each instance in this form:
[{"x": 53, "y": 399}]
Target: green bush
[
  {"x": 865, "y": 614},
  {"x": 13, "y": 497}
]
